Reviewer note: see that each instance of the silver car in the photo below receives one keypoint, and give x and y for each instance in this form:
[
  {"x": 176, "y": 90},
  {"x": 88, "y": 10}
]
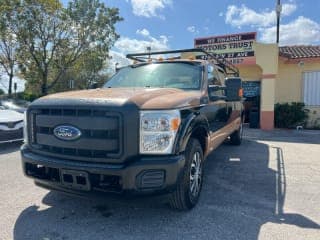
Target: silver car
[{"x": 11, "y": 126}]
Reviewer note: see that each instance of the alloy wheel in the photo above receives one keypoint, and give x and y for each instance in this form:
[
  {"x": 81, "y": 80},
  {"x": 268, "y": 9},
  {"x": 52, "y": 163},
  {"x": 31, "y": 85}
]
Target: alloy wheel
[{"x": 195, "y": 174}]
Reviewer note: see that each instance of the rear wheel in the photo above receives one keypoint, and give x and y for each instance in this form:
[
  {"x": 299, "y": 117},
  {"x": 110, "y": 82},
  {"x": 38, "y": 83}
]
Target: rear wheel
[
  {"x": 236, "y": 137},
  {"x": 189, "y": 187}
]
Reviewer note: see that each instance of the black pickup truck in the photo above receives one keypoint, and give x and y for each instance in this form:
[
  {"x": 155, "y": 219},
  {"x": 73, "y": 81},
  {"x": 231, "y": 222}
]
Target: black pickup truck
[{"x": 148, "y": 130}]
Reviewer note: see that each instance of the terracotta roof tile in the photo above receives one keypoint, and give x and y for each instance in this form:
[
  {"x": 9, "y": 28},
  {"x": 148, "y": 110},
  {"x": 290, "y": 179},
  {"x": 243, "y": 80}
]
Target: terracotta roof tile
[{"x": 295, "y": 52}]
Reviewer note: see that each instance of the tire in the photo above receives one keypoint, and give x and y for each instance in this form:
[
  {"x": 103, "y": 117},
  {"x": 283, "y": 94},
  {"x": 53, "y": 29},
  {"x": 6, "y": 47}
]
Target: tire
[
  {"x": 236, "y": 137},
  {"x": 188, "y": 189}
]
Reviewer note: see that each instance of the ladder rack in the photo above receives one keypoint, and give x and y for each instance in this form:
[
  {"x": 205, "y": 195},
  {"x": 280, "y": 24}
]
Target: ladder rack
[{"x": 229, "y": 68}]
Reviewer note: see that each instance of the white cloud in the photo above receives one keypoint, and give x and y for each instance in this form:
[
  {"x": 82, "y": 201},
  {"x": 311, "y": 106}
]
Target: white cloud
[
  {"x": 130, "y": 45},
  {"x": 193, "y": 29},
  {"x": 126, "y": 45},
  {"x": 288, "y": 9},
  {"x": 149, "y": 8},
  {"x": 143, "y": 32},
  {"x": 300, "y": 31},
  {"x": 242, "y": 16},
  {"x": 117, "y": 60}
]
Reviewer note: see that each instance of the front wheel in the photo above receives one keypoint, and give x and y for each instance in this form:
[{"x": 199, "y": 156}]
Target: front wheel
[{"x": 189, "y": 187}]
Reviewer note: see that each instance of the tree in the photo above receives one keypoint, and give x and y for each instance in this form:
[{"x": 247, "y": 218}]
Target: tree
[
  {"x": 52, "y": 38},
  {"x": 8, "y": 40},
  {"x": 88, "y": 69}
]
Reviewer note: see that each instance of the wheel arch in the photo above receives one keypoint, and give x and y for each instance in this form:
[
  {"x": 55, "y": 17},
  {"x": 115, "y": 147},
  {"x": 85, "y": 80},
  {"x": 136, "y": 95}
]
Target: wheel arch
[
  {"x": 201, "y": 135},
  {"x": 196, "y": 127}
]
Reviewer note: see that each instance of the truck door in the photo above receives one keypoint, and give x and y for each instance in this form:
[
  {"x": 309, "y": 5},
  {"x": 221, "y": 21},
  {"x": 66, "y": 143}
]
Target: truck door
[{"x": 216, "y": 110}]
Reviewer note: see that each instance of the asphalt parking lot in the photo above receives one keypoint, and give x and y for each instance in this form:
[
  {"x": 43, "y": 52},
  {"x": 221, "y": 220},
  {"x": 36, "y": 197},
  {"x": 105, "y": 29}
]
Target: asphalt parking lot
[{"x": 267, "y": 188}]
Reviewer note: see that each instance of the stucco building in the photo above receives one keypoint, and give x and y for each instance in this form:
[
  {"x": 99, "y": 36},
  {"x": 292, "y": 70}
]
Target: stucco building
[{"x": 271, "y": 74}]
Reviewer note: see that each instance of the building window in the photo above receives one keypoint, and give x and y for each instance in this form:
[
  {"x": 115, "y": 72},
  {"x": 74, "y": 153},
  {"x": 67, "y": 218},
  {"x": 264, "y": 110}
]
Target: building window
[{"x": 311, "y": 88}]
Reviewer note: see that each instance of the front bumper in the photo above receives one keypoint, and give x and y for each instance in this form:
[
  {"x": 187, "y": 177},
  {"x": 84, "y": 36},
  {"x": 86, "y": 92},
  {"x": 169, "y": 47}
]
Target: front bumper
[
  {"x": 143, "y": 175},
  {"x": 11, "y": 136}
]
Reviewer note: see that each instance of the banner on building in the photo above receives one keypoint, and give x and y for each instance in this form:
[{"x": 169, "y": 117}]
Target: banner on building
[{"x": 236, "y": 48}]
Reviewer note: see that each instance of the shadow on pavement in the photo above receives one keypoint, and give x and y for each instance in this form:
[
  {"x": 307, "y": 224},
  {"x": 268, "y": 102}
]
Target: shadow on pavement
[
  {"x": 284, "y": 135},
  {"x": 6, "y": 148},
  {"x": 241, "y": 193}
]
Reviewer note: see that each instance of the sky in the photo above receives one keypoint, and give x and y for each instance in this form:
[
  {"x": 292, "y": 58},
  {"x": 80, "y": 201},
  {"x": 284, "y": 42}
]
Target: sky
[{"x": 173, "y": 24}]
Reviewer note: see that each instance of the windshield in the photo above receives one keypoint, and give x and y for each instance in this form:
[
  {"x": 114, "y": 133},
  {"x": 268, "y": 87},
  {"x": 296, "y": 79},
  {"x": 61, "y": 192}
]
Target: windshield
[{"x": 158, "y": 75}]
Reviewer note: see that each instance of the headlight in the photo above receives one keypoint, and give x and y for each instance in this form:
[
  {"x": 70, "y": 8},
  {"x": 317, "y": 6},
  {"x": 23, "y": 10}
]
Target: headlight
[
  {"x": 158, "y": 131},
  {"x": 25, "y": 130}
]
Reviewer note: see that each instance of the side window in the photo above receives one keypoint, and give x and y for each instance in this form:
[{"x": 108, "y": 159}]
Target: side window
[
  {"x": 213, "y": 78},
  {"x": 210, "y": 75},
  {"x": 222, "y": 76}
]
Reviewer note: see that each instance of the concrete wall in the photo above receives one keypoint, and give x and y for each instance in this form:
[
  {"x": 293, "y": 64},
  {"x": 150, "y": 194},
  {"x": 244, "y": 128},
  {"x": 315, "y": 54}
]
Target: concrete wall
[
  {"x": 250, "y": 72},
  {"x": 281, "y": 81},
  {"x": 289, "y": 79},
  {"x": 289, "y": 85},
  {"x": 267, "y": 59}
]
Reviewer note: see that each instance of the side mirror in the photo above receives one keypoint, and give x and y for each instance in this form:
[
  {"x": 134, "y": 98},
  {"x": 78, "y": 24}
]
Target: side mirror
[{"x": 234, "y": 90}]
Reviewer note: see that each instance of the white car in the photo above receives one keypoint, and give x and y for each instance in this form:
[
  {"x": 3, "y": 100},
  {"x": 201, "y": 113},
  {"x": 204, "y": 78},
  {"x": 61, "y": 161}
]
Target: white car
[{"x": 11, "y": 126}]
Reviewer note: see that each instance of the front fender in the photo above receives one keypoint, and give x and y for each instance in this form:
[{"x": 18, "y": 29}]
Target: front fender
[{"x": 192, "y": 122}]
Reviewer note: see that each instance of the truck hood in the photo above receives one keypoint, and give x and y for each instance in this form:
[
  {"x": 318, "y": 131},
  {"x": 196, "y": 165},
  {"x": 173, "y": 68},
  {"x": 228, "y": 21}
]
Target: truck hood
[{"x": 144, "y": 98}]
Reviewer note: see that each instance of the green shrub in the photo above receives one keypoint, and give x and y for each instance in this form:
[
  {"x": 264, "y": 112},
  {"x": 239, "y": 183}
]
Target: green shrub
[
  {"x": 1, "y": 92},
  {"x": 290, "y": 115}
]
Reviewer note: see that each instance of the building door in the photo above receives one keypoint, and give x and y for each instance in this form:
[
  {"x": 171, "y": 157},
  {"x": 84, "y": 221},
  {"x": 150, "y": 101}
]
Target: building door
[{"x": 251, "y": 93}]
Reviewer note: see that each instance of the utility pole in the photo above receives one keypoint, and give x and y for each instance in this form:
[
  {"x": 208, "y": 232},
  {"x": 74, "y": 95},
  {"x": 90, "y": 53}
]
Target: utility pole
[
  {"x": 278, "y": 11},
  {"x": 15, "y": 87},
  {"x": 149, "y": 51}
]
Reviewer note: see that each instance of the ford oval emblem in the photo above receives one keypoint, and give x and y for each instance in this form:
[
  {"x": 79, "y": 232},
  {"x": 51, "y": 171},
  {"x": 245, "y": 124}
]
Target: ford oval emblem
[{"x": 67, "y": 133}]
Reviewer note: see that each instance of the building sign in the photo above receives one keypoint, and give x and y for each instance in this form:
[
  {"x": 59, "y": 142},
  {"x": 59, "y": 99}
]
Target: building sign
[
  {"x": 236, "y": 48},
  {"x": 251, "y": 88}
]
